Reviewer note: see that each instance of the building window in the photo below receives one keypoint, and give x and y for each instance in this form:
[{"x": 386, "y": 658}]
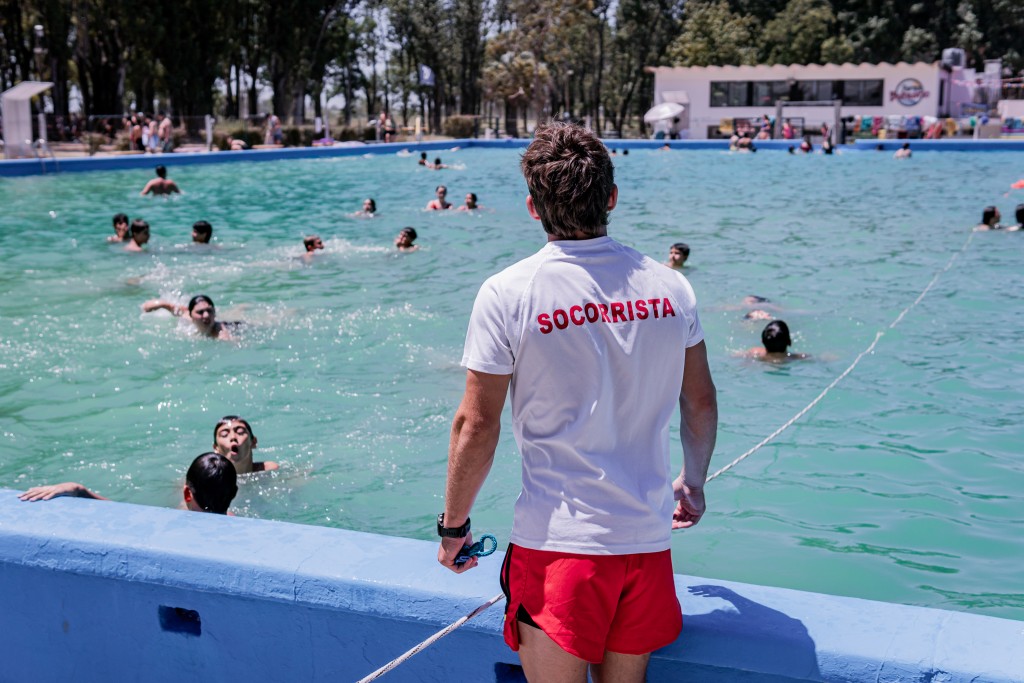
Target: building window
[
  {"x": 730, "y": 93},
  {"x": 866, "y": 93},
  {"x": 863, "y": 93}
]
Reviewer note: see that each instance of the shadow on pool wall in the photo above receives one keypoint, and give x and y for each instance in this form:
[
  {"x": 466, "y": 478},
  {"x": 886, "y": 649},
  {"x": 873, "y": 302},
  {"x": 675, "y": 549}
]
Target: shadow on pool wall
[
  {"x": 29, "y": 167},
  {"x": 111, "y": 591}
]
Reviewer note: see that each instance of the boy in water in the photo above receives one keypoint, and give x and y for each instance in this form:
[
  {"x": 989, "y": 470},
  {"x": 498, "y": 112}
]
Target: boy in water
[
  {"x": 202, "y": 231},
  {"x": 120, "y": 228},
  {"x": 677, "y": 255},
  {"x": 404, "y": 240},
  {"x": 139, "y": 233},
  {"x": 233, "y": 438},
  {"x": 211, "y": 483},
  {"x": 777, "y": 341}
]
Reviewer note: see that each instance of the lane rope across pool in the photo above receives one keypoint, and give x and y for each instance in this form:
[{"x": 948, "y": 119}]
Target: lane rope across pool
[{"x": 786, "y": 425}]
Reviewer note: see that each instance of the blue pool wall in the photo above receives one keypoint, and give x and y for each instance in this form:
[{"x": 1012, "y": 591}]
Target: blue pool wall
[
  {"x": 101, "y": 591},
  {"x": 31, "y": 167}
]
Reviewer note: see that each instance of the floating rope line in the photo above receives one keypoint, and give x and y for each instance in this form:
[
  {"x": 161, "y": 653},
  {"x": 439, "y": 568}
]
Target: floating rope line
[
  {"x": 430, "y": 641},
  {"x": 871, "y": 347},
  {"x": 847, "y": 371}
]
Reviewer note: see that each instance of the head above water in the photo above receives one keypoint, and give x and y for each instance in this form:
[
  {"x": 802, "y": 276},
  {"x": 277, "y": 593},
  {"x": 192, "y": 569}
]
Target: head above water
[
  {"x": 139, "y": 231},
  {"x": 199, "y": 299},
  {"x": 202, "y": 231},
  {"x": 571, "y": 180},
  {"x": 312, "y": 243},
  {"x": 990, "y": 216},
  {"x": 233, "y": 438},
  {"x": 369, "y": 206},
  {"x": 682, "y": 247},
  {"x": 161, "y": 171},
  {"x": 1020, "y": 213},
  {"x": 120, "y": 219},
  {"x": 212, "y": 482},
  {"x": 775, "y": 337}
]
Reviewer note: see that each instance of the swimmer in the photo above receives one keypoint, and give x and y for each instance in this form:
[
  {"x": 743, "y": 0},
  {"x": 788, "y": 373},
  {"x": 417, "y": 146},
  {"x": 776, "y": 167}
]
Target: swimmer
[
  {"x": 440, "y": 203},
  {"x": 989, "y": 219},
  {"x": 312, "y": 243},
  {"x": 664, "y": 148},
  {"x": 677, "y": 255},
  {"x": 470, "y": 204},
  {"x": 404, "y": 240},
  {"x": 903, "y": 152},
  {"x": 139, "y": 234},
  {"x": 423, "y": 159},
  {"x": 777, "y": 341},
  {"x": 201, "y": 312},
  {"x": 805, "y": 145},
  {"x": 233, "y": 438},
  {"x": 437, "y": 165},
  {"x": 792, "y": 149},
  {"x": 1020, "y": 220},
  {"x": 758, "y": 314},
  {"x": 625, "y": 152},
  {"x": 368, "y": 210},
  {"x": 160, "y": 184},
  {"x": 202, "y": 231},
  {"x": 211, "y": 483},
  {"x": 751, "y": 299},
  {"x": 120, "y": 228}
]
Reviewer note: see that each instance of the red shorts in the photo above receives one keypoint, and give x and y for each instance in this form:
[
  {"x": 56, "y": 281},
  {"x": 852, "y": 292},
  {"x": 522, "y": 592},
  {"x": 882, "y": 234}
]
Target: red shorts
[{"x": 589, "y": 604}]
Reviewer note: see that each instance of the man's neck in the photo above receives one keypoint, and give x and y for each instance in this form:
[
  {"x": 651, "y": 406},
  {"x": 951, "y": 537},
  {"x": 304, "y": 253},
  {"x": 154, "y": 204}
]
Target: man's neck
[{"x": 577, "y": 236}]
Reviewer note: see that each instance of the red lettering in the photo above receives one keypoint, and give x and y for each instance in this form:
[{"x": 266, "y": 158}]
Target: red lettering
[
  {"x": 572, "y": 315},
  {"x": 654, "y": 305},
  {"x": 629, "y": 309},
  {"x": 564, "y": 322},
  {"x": 604, "y": 313},
  {"x": 641, "y": 309},
  {"x": 666, "y": 308},
  {"x": 618, "y": 312},
  {"x": 544, "y": 320},
  {"x": 591, "y": 311}
]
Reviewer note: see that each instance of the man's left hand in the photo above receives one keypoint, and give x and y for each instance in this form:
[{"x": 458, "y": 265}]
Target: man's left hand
[{"x": 690, "y": 506}]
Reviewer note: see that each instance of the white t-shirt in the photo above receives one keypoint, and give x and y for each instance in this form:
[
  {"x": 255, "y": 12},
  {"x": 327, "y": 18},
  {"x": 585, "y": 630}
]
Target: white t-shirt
[{"x": 594, "y": 335}]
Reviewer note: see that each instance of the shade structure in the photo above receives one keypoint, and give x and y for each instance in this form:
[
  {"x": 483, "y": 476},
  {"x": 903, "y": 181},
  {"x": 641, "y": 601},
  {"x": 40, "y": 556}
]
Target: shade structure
[
  {"x": 663, "y": 112},
  {"x": 17, "y": 115}
]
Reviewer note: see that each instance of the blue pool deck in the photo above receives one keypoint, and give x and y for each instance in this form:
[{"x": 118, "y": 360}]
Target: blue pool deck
[
  {"x": 30, "y": 167},
  {"x": 103, "y": 591}
]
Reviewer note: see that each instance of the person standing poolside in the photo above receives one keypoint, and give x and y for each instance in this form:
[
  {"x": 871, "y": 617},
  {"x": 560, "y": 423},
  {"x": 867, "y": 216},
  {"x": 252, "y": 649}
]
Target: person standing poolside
[
  {"x": 120, "y": 228},
  {"x": 161, "y": 184},
  {"x": 202, "y": 232},
  {"x": 593, "y": 338},
  {"x": 164, "y": 131},
  {"x": 440, "y": 203},
  {"x": 138, "y": 234},
  {"x": 404, "y": 240},
  {"x": 233, "y": 438},
  {"x": 154, "y": 134},
  {"x": 211, "y": 483},
  {"x": 201, "y": 312},
  {"x": 677, "y": 255}
]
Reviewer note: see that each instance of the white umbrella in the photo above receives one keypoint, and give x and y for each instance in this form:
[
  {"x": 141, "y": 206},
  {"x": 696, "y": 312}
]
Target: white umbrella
[{"x": 663, "y": 111}]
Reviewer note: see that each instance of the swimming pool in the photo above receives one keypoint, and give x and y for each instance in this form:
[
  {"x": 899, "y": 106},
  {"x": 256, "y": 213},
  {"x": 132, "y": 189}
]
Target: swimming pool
[{"x": 903, "y": 484}]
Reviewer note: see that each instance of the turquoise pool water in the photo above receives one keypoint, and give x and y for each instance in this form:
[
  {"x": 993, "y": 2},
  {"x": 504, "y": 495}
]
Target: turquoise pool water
[{"x": 904, "y": 484}]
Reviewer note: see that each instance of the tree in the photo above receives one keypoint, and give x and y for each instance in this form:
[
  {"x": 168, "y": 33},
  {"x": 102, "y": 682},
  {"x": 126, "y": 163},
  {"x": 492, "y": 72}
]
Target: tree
[
  {"x": 713, "y": 35},
  {"x": 796, "y": 35}
]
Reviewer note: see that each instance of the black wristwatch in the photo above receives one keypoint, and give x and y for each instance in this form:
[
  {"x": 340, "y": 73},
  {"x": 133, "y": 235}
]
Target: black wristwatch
[{"x": 451, "y": 532}]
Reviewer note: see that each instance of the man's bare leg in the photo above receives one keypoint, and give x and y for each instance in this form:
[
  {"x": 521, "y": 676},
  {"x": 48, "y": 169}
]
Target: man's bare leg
[
  {"x": 620, "y": 668},
  {"x": 544, "y": 662}
]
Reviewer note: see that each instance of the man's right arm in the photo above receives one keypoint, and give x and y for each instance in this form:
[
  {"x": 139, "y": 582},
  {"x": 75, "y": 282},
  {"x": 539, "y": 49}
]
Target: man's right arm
[
  {"x": 474, "y": 437},
  {"x": 698, "y": 428}
]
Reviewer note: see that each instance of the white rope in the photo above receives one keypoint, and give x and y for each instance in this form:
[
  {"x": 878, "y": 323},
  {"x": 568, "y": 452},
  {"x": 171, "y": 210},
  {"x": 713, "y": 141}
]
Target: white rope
[
  {"x": 847, "y": 371},
  {"x": 871, "y": 347},
  {"x": 431, "y": 640}
]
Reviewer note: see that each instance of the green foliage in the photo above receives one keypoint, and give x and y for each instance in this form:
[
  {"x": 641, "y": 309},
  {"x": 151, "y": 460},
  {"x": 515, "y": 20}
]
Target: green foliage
[
  {"x": 714, "y": 36},
  {"x": 796, "y": 35}
]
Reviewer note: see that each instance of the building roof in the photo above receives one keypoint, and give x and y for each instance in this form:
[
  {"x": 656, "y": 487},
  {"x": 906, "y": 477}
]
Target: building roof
[{"x": 782, "y": 67}]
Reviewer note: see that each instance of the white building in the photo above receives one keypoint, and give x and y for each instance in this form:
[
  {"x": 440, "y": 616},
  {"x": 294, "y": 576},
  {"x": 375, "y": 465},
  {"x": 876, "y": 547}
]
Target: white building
[{"x": 712, "y": 94}]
